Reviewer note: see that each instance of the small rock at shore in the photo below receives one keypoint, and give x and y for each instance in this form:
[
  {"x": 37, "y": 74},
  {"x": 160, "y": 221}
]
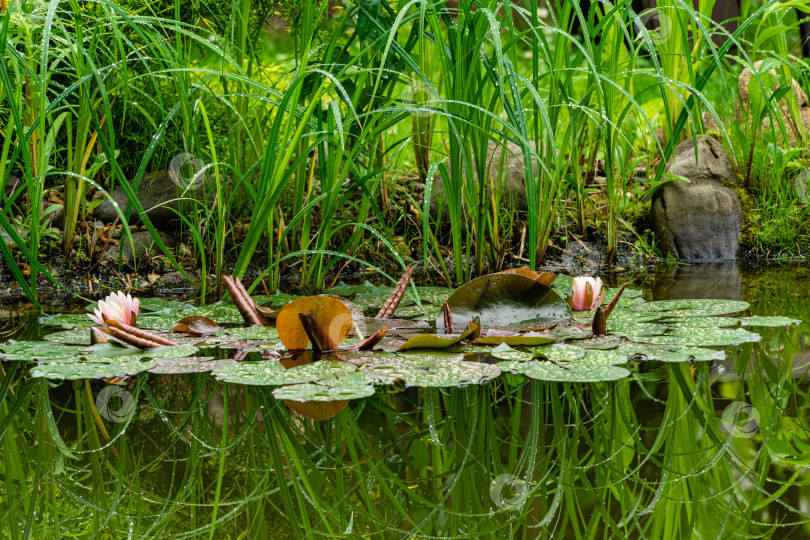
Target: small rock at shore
[
  {"x": 142, "y": 244},
  {"x": 156, "y": 193}
]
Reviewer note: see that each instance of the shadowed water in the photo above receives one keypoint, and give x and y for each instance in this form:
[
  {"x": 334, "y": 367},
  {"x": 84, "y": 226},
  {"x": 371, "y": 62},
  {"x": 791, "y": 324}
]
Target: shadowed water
[{"x": 677, "y": 450}]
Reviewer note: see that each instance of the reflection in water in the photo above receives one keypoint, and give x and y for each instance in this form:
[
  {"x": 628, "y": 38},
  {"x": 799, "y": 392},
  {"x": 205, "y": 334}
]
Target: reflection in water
[
  {"x": 701, "y": 280},
  {"x": 672, "y": 452}
]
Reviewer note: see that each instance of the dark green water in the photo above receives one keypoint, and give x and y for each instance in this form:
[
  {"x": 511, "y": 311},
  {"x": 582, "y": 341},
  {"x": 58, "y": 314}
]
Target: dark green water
[{"x": 677, "y": 450}]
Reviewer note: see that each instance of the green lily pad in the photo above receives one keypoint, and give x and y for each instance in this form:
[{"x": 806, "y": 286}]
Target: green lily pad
[
  {"x": 435, "y": 296},
  {"x": 692, "y": 308},
  {"x": 173, "y": 351},
  {"x": 437, "y": 341},
  {"x": 560, "y": 353},
  {"x": 757, "y": 320},
  {"x": 342, "y": 289},
  {"x": 705, "y": 322},
  {"x": 440, "y": 374},
  {"x": 573, "y": 332},
  {"x": 431, "y": 341},
  {"x": 517, "y": 366},
  {"x": 600, "y": 357},
  {"x": 158, "y": 321},
  {"x": 636, "y": 331},
  {"x": 619, "y": 315},
  {"x": 563, "y": 284},
  {"x": 41, "y": 351},
  {"x": 426, "y": 312},
  {"x": 547, "y": 371},
  {"x": 77, "y": 336},
  {"x": 158, "y": 305},
  {"x": 221, "y": 312},
  {"x": 193, "y": 364},
  {"x": 253, "y": 332},
  {"x": 662, "y": 353},
  {"x": 109, "y": 352},
  {"x": 423, "y": 358},
  {"x": 272, "y": 373},
  {"x": 66, "y": 320},
  {"x": 275, "y": 301},
  {"x": 503, "y": 299},
  {"x": 505, "y": 352},
  {"x": 340, "y": 391},
  {"x": 118, "y": 367},
  {"x": 598, "y": 342},
  {"x": 529, "y": 339},
  {"x": 703, "y": 337},
  {"x": 630, "y": 297}
]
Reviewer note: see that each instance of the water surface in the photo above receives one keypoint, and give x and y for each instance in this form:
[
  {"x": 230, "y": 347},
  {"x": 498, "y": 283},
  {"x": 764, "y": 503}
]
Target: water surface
[{"x": 677, "y": 450}]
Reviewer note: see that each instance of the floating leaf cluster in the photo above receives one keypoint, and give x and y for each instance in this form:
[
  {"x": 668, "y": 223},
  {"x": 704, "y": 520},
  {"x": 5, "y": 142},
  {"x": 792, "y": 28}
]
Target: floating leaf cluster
[{"x": 515, "y": 324}]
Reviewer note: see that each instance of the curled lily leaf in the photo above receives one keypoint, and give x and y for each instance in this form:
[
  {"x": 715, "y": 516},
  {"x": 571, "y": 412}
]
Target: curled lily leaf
[
  {"x": 321, "y": 342},
  {"x": 372, "y": 340},
  {"x": 244, "y": 303},
  {"x": 448, "y": 319},
  {"x": 135, "y": 336},
  {"x": 390, "y": 305}
]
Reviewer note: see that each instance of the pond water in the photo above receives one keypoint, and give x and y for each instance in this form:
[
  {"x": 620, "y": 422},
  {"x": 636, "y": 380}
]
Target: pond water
[{"x": 674, "y": 449}]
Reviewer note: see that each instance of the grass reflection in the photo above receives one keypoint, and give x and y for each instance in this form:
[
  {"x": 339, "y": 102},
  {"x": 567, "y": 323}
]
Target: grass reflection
[{"x": 675, "y": 451}]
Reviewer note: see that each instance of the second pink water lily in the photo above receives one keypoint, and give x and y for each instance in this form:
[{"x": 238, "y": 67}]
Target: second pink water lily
[
  {"x": 117, "y": 307},
  {"x": 588, "y": 294}
]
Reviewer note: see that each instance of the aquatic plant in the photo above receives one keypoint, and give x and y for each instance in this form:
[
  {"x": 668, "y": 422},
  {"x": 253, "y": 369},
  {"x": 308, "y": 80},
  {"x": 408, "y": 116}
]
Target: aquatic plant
[
  {"x": 588, "y": 294},
  {"x": 116, "y": 307},
  {"x": 694, "y": 441}
]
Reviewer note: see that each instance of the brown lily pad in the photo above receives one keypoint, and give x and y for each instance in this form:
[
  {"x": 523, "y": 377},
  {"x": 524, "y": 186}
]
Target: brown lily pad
[
  {"x": 331, "y": 314},
  {"x": 544, "y": 278},
  {"x": 197, "y": 325}
]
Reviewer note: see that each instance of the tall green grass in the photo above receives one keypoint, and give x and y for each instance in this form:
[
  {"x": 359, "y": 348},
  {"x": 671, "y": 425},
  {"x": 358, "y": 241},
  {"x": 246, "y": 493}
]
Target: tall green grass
[{"x": 308, "y": 157}]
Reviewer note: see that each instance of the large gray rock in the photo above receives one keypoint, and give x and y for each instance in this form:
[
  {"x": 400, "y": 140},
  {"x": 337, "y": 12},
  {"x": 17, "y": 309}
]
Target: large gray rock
[
  {"x": 155, "y": 193},
  {"x": 513, "y": 188},
  {"x": 701, "y": 219},
  {"x": 712, "y": 162}
]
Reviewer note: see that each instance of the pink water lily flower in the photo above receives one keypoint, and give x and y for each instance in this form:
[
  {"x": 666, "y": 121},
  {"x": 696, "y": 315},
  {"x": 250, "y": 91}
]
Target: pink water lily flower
[
  {"x": 588, "y": 294},
  {"x": 117, "y": 307}
]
